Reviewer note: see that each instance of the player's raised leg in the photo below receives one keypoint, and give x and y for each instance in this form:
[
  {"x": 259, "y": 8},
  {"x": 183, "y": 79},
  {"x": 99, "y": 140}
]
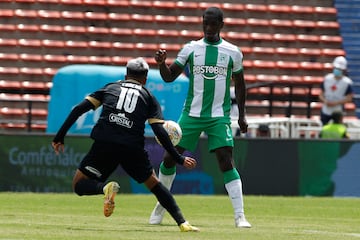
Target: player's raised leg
[{"x": 166, "y": 177}]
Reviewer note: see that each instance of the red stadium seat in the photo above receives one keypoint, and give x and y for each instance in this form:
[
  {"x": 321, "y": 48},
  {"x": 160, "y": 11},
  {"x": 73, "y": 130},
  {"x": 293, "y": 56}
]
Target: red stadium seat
[
  {"x": 53, "y": 43},
  {"x": 55, "y": 58},
  {"x": 327, "y": 24},
  {"x": 51, "y": 28},
  {"x": 312, "y": 65},
  {"x": 140, "y": 3},
  {"x": 264, "y": 64},
  {"x": 187, "y": 5},
  {"x": 235, "y": 22},
  {"x": 118, "y": 3},
  {"x": 232, "y": 6},
  {"x": 8, "y": 42},
  {"x": 144, "y": 32},
  {"x": 49, "y": 14},
  {"x": 332, "y": 52},
  {"x": 302, "y": 9},
  {"x": 95, "y": 2},
  {"x": 279, "y": 8},
  {"x": 287, "y": 65},
  {"x": 31, "y": 57},
  {"x": 77, "y": 59},
  {"x": 255, "y": 7},
  {"x": 72, "y": 15},
  {"x": 284, "y": 37},
  {"x": 142, "y": 18},
  {"x": 123, "y": 46},
  {"x": 9, "y": 85},
  {"x": 307, "y": 38},
  {"x": 100, "y": 59},
  {"x": 164, "y": 4},
  {"x": 98, "y": 30},
  {"x": 30, "y": 85},
  {"x": 119, "y": 17},
  {"x": 25, "y": 13},
  {"x": 96, "y": 15},
  {"x": 29, "y": 43},
  {"x": 267, "y": 78},
  {"x": 165, "y": 19},
  {"x": 310, "y": 51},
  {"x": 281, "y": 23},
  {"x": 9, "y": 57},
  {"x": 189, "y": 19},
  {"x": 325, "y": 10},
  {"x": 76, "y": 44},
  {"x": 287, "y": 51},
  {"x": 7, "y": 13},
  {"x": 261, "y": 36},
  {"x": 333, "y": 39},
  {"x": 304, "y": 24},
  {"x": 205, "y": 5}
]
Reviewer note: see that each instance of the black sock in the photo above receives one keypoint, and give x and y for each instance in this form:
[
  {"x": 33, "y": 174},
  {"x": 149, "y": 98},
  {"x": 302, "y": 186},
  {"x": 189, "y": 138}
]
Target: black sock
[
  {"x": 168, "y": 202},
  {"x": 89, "y": 187}
]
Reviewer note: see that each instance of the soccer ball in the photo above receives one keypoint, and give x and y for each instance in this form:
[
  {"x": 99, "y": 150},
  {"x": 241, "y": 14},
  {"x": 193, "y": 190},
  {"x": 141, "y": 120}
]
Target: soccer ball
[{"x": 174, "y": 131}]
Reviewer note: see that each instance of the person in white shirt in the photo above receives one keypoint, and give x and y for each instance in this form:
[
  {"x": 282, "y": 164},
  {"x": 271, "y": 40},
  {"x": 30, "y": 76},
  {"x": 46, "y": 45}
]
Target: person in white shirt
[{"x": 336, "y": 90}]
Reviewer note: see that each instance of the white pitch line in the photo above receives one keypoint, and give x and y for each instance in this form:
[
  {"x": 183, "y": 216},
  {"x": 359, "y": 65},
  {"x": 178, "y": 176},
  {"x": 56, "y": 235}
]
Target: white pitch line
[{"x": 333, "y": 233}]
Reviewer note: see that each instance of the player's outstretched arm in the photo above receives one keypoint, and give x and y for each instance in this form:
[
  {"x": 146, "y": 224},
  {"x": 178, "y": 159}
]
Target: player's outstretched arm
[{"x": 78, "y": 110}]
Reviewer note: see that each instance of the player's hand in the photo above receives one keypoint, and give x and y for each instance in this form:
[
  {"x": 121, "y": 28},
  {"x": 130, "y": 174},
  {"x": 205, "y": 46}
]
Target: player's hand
[
  {"x": 160, "y": 56},
  {"x": 189, "y": 163},
  {"x": 58, "y": 147},
  {"x": 243, "y": 125}
]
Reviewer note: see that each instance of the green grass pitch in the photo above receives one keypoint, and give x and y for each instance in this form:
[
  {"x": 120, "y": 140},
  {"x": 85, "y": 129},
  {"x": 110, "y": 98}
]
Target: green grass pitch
[{"x": 67, "y": 216}]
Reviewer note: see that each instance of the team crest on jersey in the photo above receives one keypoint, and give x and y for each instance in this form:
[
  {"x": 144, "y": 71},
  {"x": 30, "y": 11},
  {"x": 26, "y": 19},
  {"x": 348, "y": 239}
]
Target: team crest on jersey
[
  {"x": 120, "y": 119},
  {"x": 222, "y": 58}
]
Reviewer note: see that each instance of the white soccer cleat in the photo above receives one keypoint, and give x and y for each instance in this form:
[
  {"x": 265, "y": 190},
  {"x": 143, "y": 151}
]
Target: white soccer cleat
[
  {"x": 157, "y": 214},
  {"x": 241, "y": 222}
]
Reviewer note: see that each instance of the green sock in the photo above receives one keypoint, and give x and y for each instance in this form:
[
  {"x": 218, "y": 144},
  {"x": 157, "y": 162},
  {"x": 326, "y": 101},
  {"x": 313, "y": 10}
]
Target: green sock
[
  {"x": 167, "y": 171},
  {"x": 231, "y": 175}
]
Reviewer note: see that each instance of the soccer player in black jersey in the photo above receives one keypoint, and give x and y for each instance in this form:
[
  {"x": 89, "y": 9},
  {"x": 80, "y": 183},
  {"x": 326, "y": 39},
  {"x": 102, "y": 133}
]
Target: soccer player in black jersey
[{"x": 119, "y": 139}]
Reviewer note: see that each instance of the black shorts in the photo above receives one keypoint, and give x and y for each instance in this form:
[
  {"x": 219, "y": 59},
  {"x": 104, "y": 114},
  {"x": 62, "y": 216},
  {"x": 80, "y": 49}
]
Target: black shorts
[{"x": 103, "y": 158}]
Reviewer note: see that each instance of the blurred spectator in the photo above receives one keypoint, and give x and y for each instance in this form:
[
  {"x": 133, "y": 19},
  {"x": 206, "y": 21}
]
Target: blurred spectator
[
  {"x": 263, "y": 131},
  {"x": 336, "y": 90},
  {"x": 335, "y": 129}
]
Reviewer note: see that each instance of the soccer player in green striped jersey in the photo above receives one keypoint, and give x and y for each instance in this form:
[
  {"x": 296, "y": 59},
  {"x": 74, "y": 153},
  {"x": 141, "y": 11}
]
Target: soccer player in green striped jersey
[{"x": 213, "y": 63}]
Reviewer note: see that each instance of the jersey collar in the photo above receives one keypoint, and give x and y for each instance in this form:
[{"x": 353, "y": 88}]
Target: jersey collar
[{"x": 213, "y": 43}]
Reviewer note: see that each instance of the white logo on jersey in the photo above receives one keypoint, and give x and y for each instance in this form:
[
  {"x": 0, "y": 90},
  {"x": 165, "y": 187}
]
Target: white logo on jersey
[
  {"x": 210, "y": 72},
  {"x": 120, "y": 119}
]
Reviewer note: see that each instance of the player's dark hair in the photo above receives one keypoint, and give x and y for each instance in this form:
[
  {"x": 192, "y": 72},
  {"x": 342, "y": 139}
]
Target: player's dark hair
[{"x": 216, "y": 12}]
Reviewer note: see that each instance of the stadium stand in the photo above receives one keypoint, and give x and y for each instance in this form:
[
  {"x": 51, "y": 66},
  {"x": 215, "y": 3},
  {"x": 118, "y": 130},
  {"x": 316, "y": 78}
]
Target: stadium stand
[{"x": 288, "y": 46}]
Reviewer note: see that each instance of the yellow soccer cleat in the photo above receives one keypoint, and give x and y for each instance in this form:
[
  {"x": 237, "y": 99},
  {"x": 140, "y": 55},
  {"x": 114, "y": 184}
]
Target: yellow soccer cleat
[
  {"x": 186, "y": 227},
  {"x": 110, "y": 191}
]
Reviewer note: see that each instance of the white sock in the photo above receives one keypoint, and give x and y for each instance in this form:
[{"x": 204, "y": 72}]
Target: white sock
[
  {"x": 234, "y": 189},
  {"x": 166, "y": 180}
]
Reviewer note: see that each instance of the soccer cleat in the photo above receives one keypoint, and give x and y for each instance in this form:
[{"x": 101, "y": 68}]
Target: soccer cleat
[
  {"x": 157, "y": 214},
  {"x": 241, "y": 222},
  {"x": 186, "y": 227},
  {"x": 110, "y": 191}
]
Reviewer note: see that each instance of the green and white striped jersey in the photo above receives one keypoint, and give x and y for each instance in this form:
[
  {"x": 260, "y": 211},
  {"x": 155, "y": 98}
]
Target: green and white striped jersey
[{"x": 211, "y": 66}]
